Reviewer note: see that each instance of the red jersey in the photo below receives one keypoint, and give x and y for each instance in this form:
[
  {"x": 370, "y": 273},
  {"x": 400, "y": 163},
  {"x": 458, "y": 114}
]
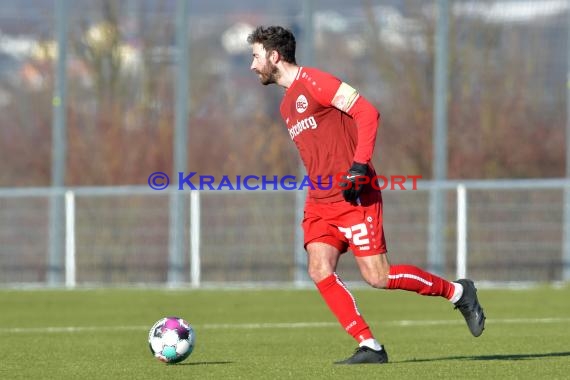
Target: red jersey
[{"x": 332, "y": 126}]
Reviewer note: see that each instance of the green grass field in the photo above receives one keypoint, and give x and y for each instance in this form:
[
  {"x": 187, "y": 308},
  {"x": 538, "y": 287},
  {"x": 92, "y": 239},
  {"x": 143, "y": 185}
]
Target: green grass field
[{"x": 280, "y": 334}]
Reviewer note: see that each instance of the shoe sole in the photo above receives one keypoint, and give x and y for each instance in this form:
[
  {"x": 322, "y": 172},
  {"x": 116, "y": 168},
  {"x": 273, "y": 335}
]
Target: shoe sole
[{"x": 382, "y": 359}]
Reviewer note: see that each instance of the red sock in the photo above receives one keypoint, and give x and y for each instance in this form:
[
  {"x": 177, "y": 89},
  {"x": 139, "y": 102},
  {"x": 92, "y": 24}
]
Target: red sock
[
  {"x": 409, "y": 277},
  {"x": 343, "y": 306}
]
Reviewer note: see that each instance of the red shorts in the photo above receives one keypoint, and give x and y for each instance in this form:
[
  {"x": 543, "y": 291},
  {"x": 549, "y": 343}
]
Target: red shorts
[{"x": 343, "y": 225}]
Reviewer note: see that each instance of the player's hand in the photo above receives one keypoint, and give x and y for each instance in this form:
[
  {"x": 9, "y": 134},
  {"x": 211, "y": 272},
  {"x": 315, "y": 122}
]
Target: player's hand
[{"x": 353, "y": 181}]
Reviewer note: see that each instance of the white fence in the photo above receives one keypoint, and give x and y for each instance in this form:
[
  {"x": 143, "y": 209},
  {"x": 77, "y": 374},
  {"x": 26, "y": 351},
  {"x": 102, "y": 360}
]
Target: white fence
[{"x": 496, "y": 231}]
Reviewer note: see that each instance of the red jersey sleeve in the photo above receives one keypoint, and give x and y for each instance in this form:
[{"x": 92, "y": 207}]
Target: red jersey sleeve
[
  {"x": 322, "y": 86},
  {"x": 332, "y": 92},
  {"x": 367, "y": 119}
]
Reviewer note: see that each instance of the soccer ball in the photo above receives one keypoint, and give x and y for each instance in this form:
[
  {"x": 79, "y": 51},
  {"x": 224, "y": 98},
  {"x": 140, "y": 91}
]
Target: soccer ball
[{"x": 171, "y": 339}]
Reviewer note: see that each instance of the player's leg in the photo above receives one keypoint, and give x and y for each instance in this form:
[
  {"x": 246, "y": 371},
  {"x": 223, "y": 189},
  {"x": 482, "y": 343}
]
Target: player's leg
[
  {"x": 325, "y": 243},
  {"x": 377, "y": 271},
  {"x": 322, "y": 262},
  {"x": 368, "y": 245}
]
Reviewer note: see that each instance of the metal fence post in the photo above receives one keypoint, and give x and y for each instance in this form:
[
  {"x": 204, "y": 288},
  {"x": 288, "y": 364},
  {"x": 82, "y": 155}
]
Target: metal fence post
[
  {"x": 177, "y": 199},
  {"x": 70, "y": 268},
  {"x": 437, "y": 209},
  {"x": 566, "y": 235},
  {"x": 461, "y": 231},
  {"x": 566, "y": 221},
  {"x": 307, "y": 54},
  {"x": 195, "y": 268},
  {"x": 59, "y": 147}
]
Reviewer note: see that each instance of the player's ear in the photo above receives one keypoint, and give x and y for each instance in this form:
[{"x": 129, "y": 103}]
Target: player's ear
[{"x": 274, "y": 56}]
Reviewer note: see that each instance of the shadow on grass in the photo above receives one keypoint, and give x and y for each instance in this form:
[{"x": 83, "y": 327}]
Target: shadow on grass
[
  {"x": 203, "y": 363},
  {"x": 492, "y": 357}
]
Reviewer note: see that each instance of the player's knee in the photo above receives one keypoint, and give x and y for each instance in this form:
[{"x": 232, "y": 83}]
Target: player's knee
[
  {"x": 317, "y": 274},
  {"x": 377, "y": 280}
]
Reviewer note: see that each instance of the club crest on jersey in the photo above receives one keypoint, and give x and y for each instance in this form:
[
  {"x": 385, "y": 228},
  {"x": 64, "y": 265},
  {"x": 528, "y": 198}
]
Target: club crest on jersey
[{"x": 301, "y": 104}]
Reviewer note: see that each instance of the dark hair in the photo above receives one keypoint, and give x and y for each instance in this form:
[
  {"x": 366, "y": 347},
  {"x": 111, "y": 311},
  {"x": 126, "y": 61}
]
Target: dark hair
[{"x": 275, "y": 38}]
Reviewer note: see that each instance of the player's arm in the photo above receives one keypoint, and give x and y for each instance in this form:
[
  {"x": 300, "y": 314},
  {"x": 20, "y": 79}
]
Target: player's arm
[
  {"x": 367, "y": 119},
  {"x": 366, "y": 116},
  {"x": 330, "y": 91}
]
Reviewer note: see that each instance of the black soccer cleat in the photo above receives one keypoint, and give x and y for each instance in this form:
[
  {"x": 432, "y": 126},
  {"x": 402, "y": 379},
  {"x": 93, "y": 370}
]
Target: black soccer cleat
[
  {"x": 469, "y": 306},
  {"x": 366, "y": 355}
]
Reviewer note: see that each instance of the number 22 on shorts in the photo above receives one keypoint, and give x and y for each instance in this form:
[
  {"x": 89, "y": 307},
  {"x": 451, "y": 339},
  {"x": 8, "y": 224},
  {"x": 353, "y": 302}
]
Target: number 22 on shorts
[{"x": 358, "y": 233}]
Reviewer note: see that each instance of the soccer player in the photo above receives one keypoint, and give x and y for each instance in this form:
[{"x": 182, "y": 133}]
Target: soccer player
[{"x": 334, "y": 129}]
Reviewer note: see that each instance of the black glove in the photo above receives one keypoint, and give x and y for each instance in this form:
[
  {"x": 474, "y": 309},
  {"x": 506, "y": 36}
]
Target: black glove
[{"x": 353, "y": 182}]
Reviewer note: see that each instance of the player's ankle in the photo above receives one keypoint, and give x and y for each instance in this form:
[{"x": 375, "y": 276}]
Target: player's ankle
[
  {"x": 457, "y": 293},
  {"x": 371, "y": 343}
]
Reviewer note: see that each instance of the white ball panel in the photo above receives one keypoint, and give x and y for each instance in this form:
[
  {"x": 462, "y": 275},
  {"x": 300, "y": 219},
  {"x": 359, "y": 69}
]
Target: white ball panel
[
  {"x": 182, "y": 347},
  {"x": 170, "y": 338},
  {"x": 156, "y": 344}
]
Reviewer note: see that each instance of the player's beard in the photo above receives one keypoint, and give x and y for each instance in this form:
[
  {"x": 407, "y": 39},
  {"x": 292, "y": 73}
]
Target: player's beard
[{"x": 269, "y": 74}]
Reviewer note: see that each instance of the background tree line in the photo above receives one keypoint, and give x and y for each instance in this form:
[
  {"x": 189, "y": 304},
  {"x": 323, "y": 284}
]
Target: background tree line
[{"x": 506, "y": 100}]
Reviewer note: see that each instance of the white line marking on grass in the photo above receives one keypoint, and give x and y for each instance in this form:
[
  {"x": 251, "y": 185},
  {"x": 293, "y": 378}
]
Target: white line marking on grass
[
  {"x": 292, "y": 325},
  {"x": 69, "y": 329},
  {"x": 254, "y": 326},
  {"x": 406, "y": 323}
]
